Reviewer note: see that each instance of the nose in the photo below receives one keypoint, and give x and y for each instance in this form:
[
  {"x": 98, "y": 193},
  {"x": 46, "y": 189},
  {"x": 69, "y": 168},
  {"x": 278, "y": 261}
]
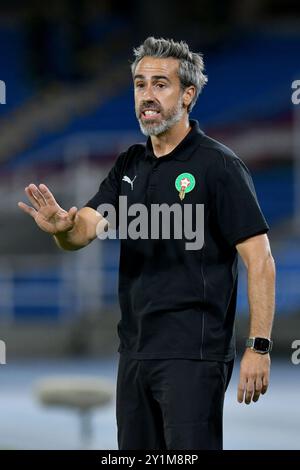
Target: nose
[{"x": 147, "y": 93}]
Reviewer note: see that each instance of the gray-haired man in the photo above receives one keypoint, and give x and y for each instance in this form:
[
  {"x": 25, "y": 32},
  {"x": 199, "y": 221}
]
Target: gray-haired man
[{"x": 178, "y": 306}]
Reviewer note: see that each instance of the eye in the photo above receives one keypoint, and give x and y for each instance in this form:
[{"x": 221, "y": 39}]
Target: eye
[
  {"x": 139, "y": 85},
  {"x": 160, "y": 85}
]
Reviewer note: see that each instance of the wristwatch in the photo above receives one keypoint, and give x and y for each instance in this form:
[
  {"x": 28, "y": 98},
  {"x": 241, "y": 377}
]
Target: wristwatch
[{"x": 259, "y": 345}]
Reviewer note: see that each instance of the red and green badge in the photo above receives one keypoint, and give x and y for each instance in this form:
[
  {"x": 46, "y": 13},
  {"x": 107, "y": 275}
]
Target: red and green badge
[{"x": 184, "y": 183}]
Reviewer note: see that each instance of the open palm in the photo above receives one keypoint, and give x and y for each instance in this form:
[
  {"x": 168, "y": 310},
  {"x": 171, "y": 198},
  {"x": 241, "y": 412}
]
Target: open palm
[{"x": 48, "y": 215}]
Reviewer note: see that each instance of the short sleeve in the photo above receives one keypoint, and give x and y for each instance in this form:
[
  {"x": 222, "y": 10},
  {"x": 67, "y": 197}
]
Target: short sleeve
[
  {"x": 239, "y": 215},
  {"x": 109, "y": 189}
]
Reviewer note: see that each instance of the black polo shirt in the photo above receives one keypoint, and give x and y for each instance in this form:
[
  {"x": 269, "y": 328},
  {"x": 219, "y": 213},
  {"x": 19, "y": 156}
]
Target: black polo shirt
[{"x": 179, "y": 303}]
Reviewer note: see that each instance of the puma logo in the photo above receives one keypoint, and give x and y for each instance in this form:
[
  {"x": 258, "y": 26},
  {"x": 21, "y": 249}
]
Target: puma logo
[{"x": 128, "y": 180}]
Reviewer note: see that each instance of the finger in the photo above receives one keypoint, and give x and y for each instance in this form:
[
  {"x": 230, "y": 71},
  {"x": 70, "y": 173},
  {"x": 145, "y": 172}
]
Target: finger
[
  {"x": 37, "y": 194},
  {"x": 265, "y": 385},
  {"x": 249, "y": 391},
  {"x": 32, "y": 199},
  {"x": 72, "y": 213},
  {"x": 29, "y": 210},
  {"x": 48, "y": 196},
  {"x": 241, "y": 391},
  {"x": 257, "y": 390}
]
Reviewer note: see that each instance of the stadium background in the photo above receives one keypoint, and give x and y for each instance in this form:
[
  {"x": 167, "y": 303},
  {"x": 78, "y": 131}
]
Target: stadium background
[{"x": 68, "y": 113}]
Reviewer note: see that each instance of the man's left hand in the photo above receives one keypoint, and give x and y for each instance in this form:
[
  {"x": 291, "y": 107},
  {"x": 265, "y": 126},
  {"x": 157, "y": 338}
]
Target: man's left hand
[{"x": 254, "y": 376}]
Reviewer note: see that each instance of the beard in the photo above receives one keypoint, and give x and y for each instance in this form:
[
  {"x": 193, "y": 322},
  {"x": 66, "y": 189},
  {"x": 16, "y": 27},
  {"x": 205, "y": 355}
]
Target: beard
[{"x": 171, "y": 117}]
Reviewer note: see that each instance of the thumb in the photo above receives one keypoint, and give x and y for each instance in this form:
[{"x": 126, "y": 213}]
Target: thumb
[{"x": 72, "y": 213}]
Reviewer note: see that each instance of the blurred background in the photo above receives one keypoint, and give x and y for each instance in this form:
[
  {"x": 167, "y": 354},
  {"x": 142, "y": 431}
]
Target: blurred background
[{"x": 69, "y": 112}]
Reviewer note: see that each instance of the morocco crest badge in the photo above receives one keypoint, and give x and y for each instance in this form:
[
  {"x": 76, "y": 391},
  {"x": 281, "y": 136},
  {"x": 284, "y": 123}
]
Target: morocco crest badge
[{"x": 184, "y": 183}]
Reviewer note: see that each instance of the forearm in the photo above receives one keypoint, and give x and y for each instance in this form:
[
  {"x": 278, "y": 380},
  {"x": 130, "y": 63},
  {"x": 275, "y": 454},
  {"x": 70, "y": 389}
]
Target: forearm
[
  {"x": 69, "y": 241},
  {"x": 72, "y": 240},
  {"x": 261, "y": 296},
  {"x": 82, "y": 233}
]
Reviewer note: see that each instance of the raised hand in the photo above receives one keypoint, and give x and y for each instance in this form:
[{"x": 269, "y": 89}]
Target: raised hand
[{"x": 46, "y": 212}]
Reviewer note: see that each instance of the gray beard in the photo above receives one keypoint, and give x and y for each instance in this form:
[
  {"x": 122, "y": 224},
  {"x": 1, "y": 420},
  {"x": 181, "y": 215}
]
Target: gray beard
[{"x": 174, "y": 116}]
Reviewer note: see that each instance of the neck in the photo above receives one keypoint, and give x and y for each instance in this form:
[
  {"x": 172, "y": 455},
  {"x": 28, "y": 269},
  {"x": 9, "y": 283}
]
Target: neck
[{"x": 164, "y": 143}]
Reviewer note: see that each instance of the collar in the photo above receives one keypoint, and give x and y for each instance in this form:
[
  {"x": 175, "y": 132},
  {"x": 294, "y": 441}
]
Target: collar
[{"x": 183, "y": 150}]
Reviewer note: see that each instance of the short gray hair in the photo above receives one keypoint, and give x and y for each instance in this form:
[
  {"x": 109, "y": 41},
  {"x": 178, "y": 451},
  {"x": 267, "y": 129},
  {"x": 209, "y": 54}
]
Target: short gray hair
[{"x": 191, "y": 65}]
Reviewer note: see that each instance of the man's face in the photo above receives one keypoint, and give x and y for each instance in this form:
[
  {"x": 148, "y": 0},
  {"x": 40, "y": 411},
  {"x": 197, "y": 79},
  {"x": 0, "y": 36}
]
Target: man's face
[{"x": 157, "y": 94}]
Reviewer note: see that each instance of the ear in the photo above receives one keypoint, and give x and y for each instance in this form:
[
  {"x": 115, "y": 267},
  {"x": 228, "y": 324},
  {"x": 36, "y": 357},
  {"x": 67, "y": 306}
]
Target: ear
[{"x": 188, "y": 95}]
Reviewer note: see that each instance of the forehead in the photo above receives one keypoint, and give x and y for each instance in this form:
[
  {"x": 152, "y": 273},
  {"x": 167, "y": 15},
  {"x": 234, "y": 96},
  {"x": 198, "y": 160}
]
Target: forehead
[{"x": 150, "y": 66}]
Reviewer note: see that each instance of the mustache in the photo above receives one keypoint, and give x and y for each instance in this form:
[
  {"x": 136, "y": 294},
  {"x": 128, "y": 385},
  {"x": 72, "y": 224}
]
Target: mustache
[{"x": 149, "y": 105}]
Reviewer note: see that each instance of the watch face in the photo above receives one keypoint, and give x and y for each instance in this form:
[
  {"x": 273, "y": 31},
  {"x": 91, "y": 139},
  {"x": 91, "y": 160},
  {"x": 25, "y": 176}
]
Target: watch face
[{"x": 262, "y": 344}]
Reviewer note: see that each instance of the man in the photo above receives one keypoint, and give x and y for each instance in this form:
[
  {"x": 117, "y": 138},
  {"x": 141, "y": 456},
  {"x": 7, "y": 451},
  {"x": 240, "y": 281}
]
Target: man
[{"x": 178, "y": 305}]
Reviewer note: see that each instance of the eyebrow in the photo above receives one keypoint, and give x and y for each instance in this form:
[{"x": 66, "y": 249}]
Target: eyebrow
[{"x": 154, "y": 77}]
